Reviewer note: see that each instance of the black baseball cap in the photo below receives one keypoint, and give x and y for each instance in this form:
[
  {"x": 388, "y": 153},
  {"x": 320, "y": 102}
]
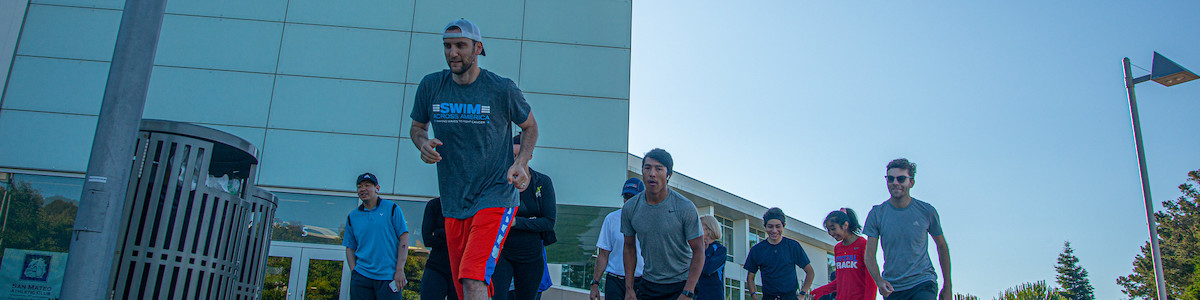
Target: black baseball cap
[{"x": 367, "y": 177}]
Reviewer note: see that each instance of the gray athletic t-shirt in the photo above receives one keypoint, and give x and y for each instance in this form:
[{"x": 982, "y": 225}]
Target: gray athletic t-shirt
[
  {"x": 474, "y": 122},
  {"x": 904, "y": 235},
  {"x": 663, "y": 231}
]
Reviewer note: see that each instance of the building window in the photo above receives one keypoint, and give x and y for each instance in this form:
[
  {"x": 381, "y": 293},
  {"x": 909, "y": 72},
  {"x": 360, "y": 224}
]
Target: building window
[
  {"x": 748, "y": 290},
  {"x": 321, "y": 219},
  {"x": 38, "y": 211},
  {"x": 733, "y": 289},
  {"x": 830, "y": 260},
  {"x": 726, "y": 236},
  {"x": 756, "y": 236},
  {"x": 575, "y": 225},
  {"x": 316, "y": 219},
  {"x": 578, "y": 276}
]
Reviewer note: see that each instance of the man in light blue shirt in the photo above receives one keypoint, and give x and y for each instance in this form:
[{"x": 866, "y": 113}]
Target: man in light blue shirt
[{"x": 376, "y": 241}]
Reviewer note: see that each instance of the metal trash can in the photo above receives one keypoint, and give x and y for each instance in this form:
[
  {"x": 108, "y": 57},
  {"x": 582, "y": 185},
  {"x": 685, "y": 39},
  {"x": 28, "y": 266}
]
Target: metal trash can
[
  {"x": 261, "y": 205},
  {"x": 195, "y": 225}
]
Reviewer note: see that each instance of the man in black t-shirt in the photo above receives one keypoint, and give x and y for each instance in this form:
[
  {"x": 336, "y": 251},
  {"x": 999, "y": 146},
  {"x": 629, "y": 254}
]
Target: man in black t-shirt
[{"x": 778, "y": 257}]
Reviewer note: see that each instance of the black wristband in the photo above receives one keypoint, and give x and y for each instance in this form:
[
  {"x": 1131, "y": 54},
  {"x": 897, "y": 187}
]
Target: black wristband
[{"x": 594, "y": 282}]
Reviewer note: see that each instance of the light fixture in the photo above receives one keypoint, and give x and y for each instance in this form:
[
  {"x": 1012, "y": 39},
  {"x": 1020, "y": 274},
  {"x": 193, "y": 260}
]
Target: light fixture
[{"x": 1168, "y": 73}]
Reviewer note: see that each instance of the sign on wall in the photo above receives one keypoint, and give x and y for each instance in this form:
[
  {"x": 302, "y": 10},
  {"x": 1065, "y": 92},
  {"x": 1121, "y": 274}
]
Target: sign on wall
[{"x": 30, "y": 274}]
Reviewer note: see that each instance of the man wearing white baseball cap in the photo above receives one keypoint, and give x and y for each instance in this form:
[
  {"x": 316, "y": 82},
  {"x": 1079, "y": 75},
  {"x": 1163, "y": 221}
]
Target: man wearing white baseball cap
[{"x": 478, "y": 176}]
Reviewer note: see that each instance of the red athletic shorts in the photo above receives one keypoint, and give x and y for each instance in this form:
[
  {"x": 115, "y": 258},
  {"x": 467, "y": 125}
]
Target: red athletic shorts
[{"x": 474, "y": 244}]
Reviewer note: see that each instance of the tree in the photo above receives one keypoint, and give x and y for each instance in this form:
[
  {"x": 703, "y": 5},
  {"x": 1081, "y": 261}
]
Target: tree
[
  {"x": 34, "y": 222},
  {"x": 1072, "y": 278},
  {"x": 1031, "y": 291},
  {"x": 278, "y": 272},
  {"x": 414, "y": 269},
  {"x": 1179, "y": 243},
  {"x": 1193, "y": 291},
  {"x": 324, "y": 279}
]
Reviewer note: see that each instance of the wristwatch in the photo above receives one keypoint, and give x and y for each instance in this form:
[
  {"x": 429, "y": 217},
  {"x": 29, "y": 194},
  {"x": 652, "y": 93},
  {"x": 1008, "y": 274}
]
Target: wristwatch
[
  {"x": 594, "y": 282},
  {"x": 689, "y": 294},
  {"x": 802, "y": 293}
]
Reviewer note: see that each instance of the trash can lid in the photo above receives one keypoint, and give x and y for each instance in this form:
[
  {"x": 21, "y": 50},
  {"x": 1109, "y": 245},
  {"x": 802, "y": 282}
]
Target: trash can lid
[
  {"x": 263, "y": 194},
  {"x": 229, "y": 148}
]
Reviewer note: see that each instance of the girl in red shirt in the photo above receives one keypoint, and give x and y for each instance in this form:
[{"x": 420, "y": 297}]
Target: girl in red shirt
[{"x": 851, "y": 280}]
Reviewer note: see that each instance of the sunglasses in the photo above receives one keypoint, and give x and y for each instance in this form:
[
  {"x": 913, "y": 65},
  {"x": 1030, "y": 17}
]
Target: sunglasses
[{"x": 898, "y": 179}]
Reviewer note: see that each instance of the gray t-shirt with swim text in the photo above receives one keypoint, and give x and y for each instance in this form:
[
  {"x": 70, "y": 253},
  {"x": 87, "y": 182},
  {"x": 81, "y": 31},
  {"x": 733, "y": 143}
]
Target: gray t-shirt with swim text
[
  {"x": 904, "y": 235},
  {"x": 474, "y": 123},
  {"x": 663, "y": 231}
]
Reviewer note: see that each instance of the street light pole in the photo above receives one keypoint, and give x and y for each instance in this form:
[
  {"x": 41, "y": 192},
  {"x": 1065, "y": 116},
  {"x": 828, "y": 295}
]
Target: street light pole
[
  {"x": 1141, "y": 155},
  {"x": 94, "y": 240}
]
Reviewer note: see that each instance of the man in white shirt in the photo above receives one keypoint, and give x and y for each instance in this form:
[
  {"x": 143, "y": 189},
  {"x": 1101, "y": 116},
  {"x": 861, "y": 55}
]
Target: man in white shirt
[{"x": 611, "y": 244}]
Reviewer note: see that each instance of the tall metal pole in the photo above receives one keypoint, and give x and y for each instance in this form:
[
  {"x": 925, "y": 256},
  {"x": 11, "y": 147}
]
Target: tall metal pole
[
  {"x": 95, "y": 237},
  {"x": 1141, "y": 155}
]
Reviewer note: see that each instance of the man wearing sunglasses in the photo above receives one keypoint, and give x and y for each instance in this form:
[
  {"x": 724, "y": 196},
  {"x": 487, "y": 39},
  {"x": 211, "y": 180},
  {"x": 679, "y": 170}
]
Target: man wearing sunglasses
[{"x": 901, "y": 223}]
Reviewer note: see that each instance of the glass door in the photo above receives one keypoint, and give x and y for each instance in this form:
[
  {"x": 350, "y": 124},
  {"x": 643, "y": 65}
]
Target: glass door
[
  {"x": 306, "y": 271},
  {"x": 325, "y": 274},
  {"x": 282, "y": 261}
]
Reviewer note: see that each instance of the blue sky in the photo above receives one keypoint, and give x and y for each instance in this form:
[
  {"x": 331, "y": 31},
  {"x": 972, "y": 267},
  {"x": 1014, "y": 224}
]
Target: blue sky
[{"x": 1014, "y": 111}]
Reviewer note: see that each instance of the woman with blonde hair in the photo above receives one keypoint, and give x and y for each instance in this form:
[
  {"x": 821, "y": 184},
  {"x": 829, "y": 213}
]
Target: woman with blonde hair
[{"x": 712, "y": 278}]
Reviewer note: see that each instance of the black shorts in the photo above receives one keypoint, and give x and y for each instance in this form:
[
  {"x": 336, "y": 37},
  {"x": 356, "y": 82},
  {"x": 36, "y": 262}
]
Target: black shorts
[
  {"x": 647, "y": 290},
  {"x": 924, "y": 291},
  {"x": 784, "y": 296}
]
